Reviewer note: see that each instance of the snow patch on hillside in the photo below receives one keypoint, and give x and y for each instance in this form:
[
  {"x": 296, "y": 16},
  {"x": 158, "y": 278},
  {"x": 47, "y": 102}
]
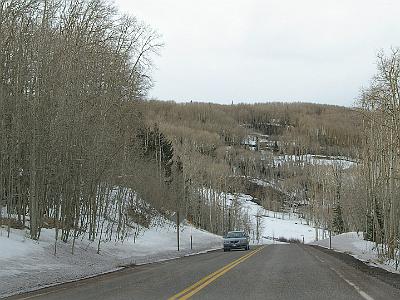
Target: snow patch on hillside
[
  {"x": 274, "y": 225},
  {"x": 353, "y": 243},
  {"x": 310, "y": 159},
  {"x": 28, "y": 265}
]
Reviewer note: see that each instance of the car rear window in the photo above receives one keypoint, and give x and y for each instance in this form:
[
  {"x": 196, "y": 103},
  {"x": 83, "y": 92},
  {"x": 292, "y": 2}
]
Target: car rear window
[{"x": 235, "y": 235}]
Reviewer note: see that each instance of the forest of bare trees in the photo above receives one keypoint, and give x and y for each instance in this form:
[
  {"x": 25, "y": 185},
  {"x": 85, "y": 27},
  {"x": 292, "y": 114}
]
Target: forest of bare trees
[
  {"x": 76, "y": 153},
  {"x": 71, "y": 74},
  {"x": 209, "y": 140},
  {"x": 380, "y": 104}
]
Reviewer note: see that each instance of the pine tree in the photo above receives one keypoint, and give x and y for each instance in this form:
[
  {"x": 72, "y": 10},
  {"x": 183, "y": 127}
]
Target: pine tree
[{"x": 338, "y": 223}]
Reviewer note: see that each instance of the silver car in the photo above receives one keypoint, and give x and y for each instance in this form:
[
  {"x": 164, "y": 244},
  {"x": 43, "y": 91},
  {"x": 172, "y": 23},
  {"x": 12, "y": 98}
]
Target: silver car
[{"x": 236, "y": 240}]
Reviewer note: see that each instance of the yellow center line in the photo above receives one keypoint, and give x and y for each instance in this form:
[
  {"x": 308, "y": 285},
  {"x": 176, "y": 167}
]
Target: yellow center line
[
  {"x": 208, "y": 277},
  {"x": 193, "y": 289}
]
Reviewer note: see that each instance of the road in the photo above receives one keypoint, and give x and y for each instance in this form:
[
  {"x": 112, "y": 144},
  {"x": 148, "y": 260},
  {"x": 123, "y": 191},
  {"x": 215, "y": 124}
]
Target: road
[{"x": 268, "y": 272}]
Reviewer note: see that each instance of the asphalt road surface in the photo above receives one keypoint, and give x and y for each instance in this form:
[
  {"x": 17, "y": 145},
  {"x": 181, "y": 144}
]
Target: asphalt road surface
[{"x": 267, "y": 272}]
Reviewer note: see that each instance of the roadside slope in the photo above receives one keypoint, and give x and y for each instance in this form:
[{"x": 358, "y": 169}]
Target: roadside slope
[
  {"x": 352, "y": 243},
  {"x": 28, "y": 265}
]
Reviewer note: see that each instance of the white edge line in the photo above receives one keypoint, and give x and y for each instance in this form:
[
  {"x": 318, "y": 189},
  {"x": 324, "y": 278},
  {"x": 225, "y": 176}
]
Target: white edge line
[{"x": 356, "y": 287}]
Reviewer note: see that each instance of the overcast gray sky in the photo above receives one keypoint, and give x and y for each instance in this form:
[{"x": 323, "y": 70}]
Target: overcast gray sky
[{"x": 267, "y": 50}]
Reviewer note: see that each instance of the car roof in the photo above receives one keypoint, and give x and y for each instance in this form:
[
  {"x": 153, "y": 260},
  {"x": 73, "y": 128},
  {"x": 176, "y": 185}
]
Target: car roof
[{"x": 241, "y": 231}]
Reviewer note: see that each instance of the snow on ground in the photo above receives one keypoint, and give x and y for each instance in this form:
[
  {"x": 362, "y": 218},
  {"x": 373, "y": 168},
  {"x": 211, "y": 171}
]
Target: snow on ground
[
  {"x": 353, "y": 243},
  {"x": 16, "y": 246},
  {"x": 272, "y": 183},
  {"x": 341, "y": 161},
  {"x": 28, "y": 265},
  {"x": 274, "y": 225}
]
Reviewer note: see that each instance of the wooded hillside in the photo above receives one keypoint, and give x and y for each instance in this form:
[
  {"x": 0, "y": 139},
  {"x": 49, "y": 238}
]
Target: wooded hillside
[
  {"x": 71, "y": 74},
  {"x": 220, "y": 147},
  {"x": 300, "y": 127}
]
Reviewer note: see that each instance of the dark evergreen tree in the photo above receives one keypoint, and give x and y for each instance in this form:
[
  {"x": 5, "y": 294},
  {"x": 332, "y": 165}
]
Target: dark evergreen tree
[
  {"x": 157, "y": 147},
  {"x": 338, "y": 223},
  {"x": 369, "y": 234}
]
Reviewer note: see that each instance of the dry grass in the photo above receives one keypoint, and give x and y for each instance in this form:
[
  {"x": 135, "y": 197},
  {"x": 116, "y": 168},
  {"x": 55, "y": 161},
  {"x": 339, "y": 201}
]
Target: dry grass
[
  {"x": 291, "y": 240},
  {"x": 12, "y": 223}
]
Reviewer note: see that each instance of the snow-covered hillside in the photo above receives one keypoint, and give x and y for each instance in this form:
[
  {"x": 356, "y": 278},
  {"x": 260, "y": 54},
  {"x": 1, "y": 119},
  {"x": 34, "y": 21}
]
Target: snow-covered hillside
[
  {"x": 274, "y": 225},
  {"x": 27, "y": 264}
]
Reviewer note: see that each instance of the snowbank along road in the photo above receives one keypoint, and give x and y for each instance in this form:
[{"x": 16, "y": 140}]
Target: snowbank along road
[{"x": 289, "y": 271}]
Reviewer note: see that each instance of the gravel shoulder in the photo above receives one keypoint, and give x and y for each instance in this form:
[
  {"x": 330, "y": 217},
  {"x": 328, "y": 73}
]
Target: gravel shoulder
[{"x": 390, "y": 278}]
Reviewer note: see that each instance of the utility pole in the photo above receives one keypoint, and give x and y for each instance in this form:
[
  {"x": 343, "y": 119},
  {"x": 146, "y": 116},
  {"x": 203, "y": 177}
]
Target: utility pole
[
  {"x": 191, "y": 238},
  {"x": 330, "y": 227},
  {"x": 177, "y": 228},
  {"x": 258, "y": 228}
]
